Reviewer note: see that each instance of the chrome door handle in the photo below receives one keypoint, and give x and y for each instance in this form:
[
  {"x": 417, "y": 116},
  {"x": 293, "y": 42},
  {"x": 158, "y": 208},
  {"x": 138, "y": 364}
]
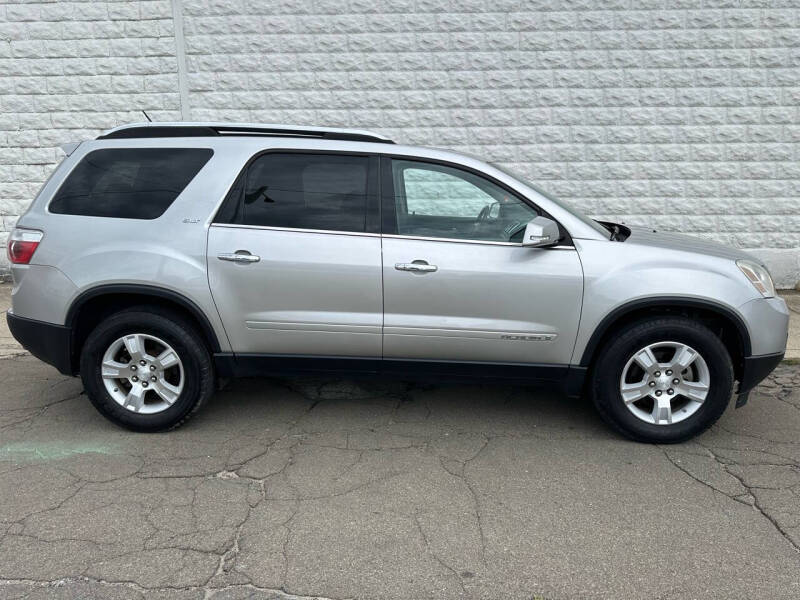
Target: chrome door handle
[
  {"x": 240, "y": 256},
  {"x": 416, "y": 267}
]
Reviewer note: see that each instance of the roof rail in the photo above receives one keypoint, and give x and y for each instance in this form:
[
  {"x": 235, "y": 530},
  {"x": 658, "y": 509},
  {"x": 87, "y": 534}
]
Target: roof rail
[{"x": 178, "y": 129}]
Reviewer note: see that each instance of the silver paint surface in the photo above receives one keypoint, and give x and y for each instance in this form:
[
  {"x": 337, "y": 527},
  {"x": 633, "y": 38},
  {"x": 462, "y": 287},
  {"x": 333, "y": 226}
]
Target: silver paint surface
[{"x": 336, "y": 294}]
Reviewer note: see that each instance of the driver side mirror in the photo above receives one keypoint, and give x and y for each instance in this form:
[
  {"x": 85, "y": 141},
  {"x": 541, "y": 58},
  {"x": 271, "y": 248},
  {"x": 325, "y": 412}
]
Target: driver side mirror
[{"x": 540, "y": 232}]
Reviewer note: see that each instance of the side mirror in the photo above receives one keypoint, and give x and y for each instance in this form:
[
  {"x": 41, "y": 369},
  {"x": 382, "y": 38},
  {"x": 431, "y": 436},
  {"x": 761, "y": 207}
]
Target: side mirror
[{"x": 540, "y": 232}]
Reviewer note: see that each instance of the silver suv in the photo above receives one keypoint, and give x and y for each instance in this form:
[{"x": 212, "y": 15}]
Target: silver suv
[{"x": 160, "y": 259}]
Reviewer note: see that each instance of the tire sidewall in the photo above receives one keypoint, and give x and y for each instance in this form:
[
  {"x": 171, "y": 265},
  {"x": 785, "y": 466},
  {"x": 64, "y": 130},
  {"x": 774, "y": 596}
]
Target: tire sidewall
[
  {"x": 170, "y": 331},
  {"x": 610, "y": 367}
]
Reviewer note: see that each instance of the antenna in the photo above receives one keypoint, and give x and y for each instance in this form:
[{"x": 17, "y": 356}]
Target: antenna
[{"x": 147, "y": 117}]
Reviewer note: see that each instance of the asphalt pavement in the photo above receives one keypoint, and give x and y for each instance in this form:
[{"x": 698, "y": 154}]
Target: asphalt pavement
[{"x": 336, "y": 489}]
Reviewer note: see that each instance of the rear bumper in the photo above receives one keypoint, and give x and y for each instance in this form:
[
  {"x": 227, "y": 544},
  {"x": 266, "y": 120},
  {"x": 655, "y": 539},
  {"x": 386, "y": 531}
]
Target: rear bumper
[
  {"x": 48, "y": 342},
  {"x": 756, "y": 368}
]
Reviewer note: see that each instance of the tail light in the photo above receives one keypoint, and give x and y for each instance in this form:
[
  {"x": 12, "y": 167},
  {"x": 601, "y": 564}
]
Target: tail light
[{"x": 22, "y": 243}]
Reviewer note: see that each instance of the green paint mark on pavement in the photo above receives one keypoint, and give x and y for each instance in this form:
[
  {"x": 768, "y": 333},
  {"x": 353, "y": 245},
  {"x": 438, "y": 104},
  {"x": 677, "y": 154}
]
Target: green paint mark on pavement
[{"x": 53, "y": 450}]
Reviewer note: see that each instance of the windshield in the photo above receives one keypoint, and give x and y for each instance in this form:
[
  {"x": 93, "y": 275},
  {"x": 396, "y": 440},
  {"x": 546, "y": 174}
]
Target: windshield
[{"x": 561, "y": 203}]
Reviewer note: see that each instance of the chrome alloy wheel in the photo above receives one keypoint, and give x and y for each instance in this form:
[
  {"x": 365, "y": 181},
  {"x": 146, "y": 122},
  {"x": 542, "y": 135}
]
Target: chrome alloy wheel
[
  {"x": 142, "y": 373},
  {"x": 665, "y": 383}
]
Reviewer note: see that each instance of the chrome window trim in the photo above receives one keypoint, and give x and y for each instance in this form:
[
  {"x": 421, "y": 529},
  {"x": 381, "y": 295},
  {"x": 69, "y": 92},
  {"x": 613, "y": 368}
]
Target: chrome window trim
[
  {"x": 462, "y": 241},
  {"x": 295, "y": 229},
  {"x": 392, "y": 236}
]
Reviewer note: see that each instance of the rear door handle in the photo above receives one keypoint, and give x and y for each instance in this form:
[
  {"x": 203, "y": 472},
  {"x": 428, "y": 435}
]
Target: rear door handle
[
  {"x": 240, "y": 256},
  {"x": 416, "y": 267}
]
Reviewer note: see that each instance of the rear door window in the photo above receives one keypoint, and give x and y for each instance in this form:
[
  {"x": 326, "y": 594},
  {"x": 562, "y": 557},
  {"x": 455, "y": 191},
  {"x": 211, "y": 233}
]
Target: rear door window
[
  {"x": 128, "y": 183},
  {"x": 330, "y": 192}
]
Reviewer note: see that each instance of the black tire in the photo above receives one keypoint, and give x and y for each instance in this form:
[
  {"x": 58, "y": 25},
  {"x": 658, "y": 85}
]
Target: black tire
[
  {"x": 184, "y": 340},
  {"x": 609, "y": 366}
]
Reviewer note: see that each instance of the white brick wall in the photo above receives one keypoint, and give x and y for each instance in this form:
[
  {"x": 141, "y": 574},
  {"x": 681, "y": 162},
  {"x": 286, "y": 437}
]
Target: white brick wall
[
  {"x": 68, "y": 70},
  {"x": 675, "y": 113}
]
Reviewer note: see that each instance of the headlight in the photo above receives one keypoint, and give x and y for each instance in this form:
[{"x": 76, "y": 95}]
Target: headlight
[{"x": 758, "y": 276}]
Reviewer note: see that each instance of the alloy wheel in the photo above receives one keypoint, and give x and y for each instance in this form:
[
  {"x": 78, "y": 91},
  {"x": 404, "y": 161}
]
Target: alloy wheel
[
  {"x": 142, "y": 373},
  {"x": 665, "y": 383}
]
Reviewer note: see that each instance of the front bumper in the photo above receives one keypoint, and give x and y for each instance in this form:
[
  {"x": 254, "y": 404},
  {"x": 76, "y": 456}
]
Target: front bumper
[
  {"x": 48, "y": 342},
  {"x": 767, "y": 325}
]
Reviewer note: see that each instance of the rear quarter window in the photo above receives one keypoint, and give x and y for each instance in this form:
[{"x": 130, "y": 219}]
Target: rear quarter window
[{"x": 128, "y": 183}]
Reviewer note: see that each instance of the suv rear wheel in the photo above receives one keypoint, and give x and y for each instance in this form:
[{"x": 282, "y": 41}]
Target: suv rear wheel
[
  {"x": 146, "y": 369},
  {"x": 663, "y": 380}
]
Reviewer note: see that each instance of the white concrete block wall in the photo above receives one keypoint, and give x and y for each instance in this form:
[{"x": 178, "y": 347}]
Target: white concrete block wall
[
  {"x": 69, "y": 70},
  {"x": 673, "y": 113}
]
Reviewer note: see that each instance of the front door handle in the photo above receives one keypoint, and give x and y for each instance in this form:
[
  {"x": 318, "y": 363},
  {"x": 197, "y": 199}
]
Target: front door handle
[
  {"x": 240, "y": 256},
  {"x": 418, "y": 266}
]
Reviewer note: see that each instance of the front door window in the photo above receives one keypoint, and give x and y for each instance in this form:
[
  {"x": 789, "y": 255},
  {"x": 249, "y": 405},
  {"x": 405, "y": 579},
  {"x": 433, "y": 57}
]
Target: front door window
[{"x": 438, "y": 201}]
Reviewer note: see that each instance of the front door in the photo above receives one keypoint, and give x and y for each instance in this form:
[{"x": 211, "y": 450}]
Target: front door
[
  {"x": 458, "y": 286},
  {"x": 294, "y": 257}
]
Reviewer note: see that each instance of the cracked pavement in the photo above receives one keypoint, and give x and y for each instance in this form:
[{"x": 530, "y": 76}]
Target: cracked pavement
[
  {"x": 335, "y": 489},
  {"x": 299, "y": 489}
]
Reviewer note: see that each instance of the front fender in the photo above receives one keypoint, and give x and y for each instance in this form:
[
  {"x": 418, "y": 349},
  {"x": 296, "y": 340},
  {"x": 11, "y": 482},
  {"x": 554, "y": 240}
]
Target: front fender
[{"x": 642, "y": 276}]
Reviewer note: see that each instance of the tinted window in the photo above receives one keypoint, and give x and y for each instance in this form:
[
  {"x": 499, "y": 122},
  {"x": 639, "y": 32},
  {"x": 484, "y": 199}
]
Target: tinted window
[
  {"x": 302, "y": 191},
  {"x": 438, "y": 201},
  {"x": 128, "y": 183}
]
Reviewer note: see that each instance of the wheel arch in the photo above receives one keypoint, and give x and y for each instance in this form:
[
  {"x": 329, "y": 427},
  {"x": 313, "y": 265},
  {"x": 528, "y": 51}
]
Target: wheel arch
[
  {"x": 724, "y": 321},
  {"x": 92, "y": 305}
]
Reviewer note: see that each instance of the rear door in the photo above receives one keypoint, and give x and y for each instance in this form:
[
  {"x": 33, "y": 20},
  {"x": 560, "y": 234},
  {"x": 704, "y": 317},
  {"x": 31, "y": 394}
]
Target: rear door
[
  {"x": 458, "y": 285},
  {"x": 294, "y": 256}
]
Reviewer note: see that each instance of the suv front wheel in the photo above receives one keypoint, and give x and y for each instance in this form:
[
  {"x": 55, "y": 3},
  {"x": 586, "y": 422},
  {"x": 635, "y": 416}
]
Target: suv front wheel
[
  {"x": 146, "y": 369},
  {"x": 663, "y": 380}
]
